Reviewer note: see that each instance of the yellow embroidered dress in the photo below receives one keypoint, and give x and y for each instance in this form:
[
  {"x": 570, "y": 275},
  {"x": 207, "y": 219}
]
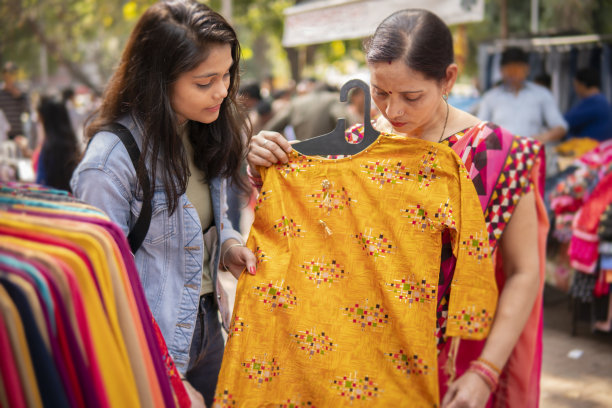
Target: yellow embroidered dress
[{"x": 342, "y": 310}]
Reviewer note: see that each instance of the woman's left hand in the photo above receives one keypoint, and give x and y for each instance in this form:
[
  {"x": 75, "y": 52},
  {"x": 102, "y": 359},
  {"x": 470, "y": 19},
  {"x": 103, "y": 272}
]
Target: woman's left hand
[
  {"x": 237, "y": 258},
  {"x": 468, "y": 391}
]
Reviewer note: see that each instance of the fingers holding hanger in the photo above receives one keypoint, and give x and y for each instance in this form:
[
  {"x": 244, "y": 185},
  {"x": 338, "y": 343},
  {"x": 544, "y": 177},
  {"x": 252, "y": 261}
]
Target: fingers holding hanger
[{"x": 267, "y": 148}]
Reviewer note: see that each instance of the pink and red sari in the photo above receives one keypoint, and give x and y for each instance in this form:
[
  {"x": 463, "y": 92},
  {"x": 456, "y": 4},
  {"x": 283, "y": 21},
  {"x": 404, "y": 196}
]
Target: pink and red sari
[{"x": 503, "y": 168}]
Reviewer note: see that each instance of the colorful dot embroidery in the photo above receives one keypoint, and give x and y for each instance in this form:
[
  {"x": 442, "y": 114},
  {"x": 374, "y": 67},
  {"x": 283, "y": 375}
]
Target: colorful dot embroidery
[
  {"x": 417, "y": 217},
  {"x": 476, "y": 246},
  {"x": 290, "y": 403},
  {"x": 314, "y": 343},
  {"x": 444, "y": 215},
  {"x": 376, "y": 246},
  {"x": 384, "y": 172},
  {"x": 427, "y": 170},
  {"x": 261, "y": 370},
  {"x": 263, "y": 196},
  {"x": 288, "y": 228},
  {"x": 277, "y": 296},
  {"x": 224, "y": 400},
  {"x": 321, "y": 271},
  {"x": 355, "y": 388},
  {"x": 409, "y": 364},
  {"x": 374, "y": 317},
  {"x": 329, "y": 199},
  {"x": 471, "y": 321},
  {"x": 260, "y": 255},
  {"x": 295, "y": 165},
  {"x": 236, "y": 327},
  {"x": 410, "y": 291}
]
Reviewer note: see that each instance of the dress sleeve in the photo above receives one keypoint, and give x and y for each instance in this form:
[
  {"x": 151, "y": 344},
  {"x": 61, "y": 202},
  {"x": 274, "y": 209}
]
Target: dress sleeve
[{"x": 473, "y": 296}]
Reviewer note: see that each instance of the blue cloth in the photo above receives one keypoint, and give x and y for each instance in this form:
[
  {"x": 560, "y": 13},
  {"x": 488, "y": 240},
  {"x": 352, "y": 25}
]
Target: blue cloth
[
  {"x": 41, "y": 172},
  {"x": 48, "y": 375},
  {"x": 529, "y": 112},
  {"x": 41, "y": 285},
  {"x": 606, "y": 262},
  {"x": 591, "y": 117},
  {"x": 169, "y": 262}
]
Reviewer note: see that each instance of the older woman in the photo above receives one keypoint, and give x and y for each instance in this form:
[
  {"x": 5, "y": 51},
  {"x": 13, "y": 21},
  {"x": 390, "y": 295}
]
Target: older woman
[{"x": 410, "y": 58}]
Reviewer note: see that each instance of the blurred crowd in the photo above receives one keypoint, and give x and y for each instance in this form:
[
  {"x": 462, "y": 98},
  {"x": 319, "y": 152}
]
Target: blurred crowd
[{"x": 41, "y": 136}]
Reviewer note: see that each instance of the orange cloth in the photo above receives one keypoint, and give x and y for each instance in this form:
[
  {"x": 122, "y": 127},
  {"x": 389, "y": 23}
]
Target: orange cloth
[{"x": 343, "y": 306}]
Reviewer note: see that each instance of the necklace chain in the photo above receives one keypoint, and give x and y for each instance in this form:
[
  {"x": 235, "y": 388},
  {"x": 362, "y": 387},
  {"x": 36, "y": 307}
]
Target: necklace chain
[{"x": 445, "y": 122}]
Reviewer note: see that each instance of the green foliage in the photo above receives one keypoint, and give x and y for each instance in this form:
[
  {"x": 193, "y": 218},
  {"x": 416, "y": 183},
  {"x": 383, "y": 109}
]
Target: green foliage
[
  {"x": 75, "y": 32},
  {"x": 93, "y": 32}
]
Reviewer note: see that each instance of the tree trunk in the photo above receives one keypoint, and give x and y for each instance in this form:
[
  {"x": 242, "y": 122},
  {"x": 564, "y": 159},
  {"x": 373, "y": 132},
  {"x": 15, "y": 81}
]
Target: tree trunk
[{"x": 503, "y": 16}]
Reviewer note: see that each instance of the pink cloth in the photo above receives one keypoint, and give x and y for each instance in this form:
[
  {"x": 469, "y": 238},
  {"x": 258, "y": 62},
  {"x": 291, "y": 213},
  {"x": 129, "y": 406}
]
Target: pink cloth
[
  {"x": 488, "y": 152},
  {"x": 584, "y": 246}
]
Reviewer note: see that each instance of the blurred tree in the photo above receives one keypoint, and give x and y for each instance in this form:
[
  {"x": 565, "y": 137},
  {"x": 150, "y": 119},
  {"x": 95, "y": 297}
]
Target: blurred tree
[
  {"x": 85, "y": 36},
  {"x": 557, "y": 17}
]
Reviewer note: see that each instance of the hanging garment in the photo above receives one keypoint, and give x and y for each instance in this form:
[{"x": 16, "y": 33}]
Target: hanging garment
[
  {"x": 343, "y": 306},
  {"x": 584, "y": 246},
  {"x": 503, "y": 168}
]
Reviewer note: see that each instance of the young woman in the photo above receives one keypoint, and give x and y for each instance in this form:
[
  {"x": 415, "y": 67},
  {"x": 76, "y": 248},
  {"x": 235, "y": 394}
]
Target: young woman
[
  {"x": 410, "y": 58},
  {"x": 175, "y": 90}
]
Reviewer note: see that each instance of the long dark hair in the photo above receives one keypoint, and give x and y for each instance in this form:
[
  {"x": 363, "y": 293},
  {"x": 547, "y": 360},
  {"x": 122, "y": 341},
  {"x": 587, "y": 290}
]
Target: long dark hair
[
  {"x": 416, "y": 36},
  {"x": 59, "y": 153},
  {"x": 171, "y": 38}
]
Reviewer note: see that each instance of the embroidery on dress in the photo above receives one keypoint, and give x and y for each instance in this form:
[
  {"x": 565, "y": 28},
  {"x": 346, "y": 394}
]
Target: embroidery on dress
[
  {"x": 409, "y": 364},
  {"x": 376, "y": 246},
  {"x": 263, "y": 196},
  {"x": 314, "y": 342},
  {"x": 288, "y": 228},
  {"x": 224, "y": 400},
  {"x": 321, "y": 271},
  {"x": 368, "y": 317},
  {"x": 277, "y": 296},
  {"x": 411, "y": 291},
  {"x": 236, "y": 327},
  {"x": 330, "y": 198},
  {"x": 297, "y": 403},
  {"x": 260, "y": 255},
  {"x": 470, "y": 321},
  {"x": 295, "y": 165},
  {"x": 476, "y": 246},
  {"x": 385, "y": 172},
  {"x": 262, "y": 370},
  {"x": 356, "y": 388}
]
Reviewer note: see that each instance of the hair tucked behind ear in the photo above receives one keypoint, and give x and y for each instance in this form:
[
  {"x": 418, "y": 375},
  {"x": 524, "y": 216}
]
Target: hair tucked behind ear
[
  {"x": 169, "y": 39},
  {"x": 416, "y": 36}
]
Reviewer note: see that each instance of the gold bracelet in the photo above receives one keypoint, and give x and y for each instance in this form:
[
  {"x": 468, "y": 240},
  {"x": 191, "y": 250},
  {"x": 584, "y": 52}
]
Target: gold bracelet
[{"x": 225, "y": 253}]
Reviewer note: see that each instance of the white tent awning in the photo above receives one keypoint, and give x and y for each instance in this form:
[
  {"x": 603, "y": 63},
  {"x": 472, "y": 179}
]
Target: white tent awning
[{"x": 330, "y": 20}]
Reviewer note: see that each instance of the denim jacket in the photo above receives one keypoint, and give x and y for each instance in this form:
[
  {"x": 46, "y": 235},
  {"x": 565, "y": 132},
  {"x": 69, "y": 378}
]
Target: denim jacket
[{"x": 169, "y": 261}]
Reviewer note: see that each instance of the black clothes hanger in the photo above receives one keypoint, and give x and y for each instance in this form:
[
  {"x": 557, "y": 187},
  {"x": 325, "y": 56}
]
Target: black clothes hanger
[{"x": 334, "y": 142}]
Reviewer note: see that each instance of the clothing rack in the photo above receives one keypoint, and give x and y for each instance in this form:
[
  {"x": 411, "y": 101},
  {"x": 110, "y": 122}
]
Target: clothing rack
[{"x": 75, "y": 328}]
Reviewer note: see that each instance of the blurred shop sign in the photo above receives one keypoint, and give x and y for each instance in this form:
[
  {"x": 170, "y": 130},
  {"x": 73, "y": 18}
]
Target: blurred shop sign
[{"x": 329, "y": 20}]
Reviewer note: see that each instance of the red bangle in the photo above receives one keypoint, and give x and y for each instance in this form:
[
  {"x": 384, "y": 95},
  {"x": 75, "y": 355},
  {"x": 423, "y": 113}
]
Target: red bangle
[
  {"x": 256, "y": 181},
  {"x": 486, "y": 373},
  {"x": 490, "y": 364}
]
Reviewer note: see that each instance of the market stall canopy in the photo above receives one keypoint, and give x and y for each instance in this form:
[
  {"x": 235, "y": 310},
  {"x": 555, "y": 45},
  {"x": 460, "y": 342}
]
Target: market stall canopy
[{"x": 322, "y": 21}]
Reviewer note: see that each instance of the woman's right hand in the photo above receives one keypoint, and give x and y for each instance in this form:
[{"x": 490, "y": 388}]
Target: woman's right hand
[{"x": 267, "y": 148}]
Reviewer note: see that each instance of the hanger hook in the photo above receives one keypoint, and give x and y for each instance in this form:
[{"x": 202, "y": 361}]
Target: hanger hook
[{"x": 358, "y": 83}]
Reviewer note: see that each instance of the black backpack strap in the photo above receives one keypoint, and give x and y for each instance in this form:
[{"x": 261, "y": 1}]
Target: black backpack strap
[{"x": 139, "y": 232}]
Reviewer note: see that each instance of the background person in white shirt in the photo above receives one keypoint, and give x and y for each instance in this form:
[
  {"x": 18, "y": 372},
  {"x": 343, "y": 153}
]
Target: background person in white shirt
[{"x": 521, "y": 106}]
